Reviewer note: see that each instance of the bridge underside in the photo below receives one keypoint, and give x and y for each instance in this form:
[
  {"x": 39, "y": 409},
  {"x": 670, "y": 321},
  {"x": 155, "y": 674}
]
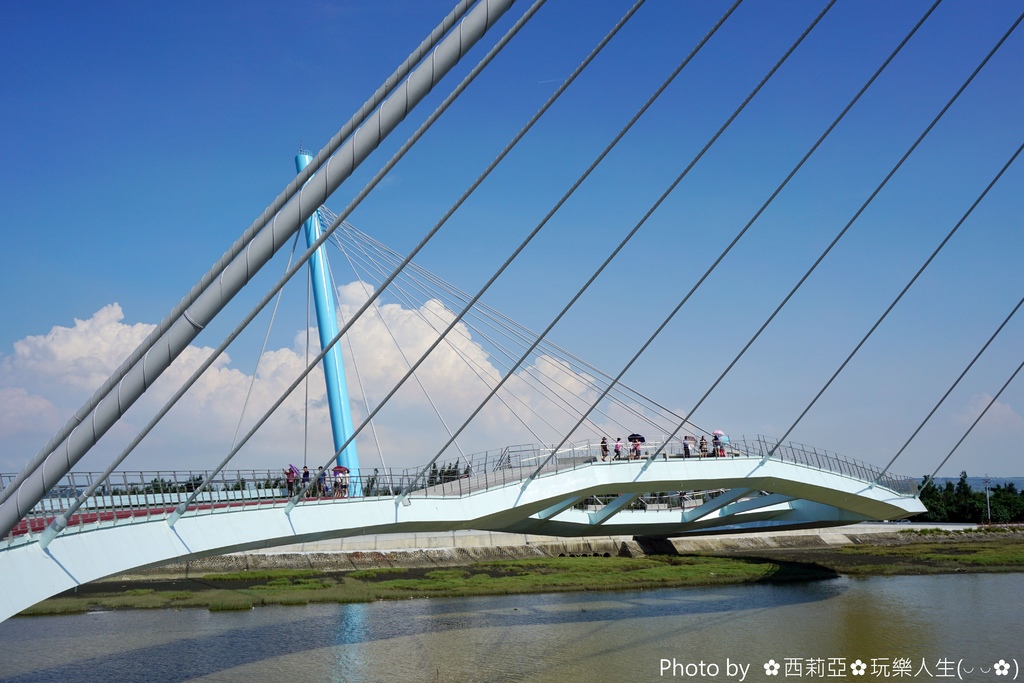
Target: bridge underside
[{"x": 750, "y": 495}]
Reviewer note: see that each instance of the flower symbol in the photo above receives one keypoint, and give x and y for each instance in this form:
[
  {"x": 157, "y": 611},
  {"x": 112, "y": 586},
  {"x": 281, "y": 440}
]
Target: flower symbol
[
  {"x": 1002, "y": 667},
  {"x": 858, "y": 668},
  {"x": 772, "y": 667}
]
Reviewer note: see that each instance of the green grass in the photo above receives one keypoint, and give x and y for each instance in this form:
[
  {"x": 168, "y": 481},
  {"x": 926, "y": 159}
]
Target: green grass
[
  {"x": 559, "y": 574},
  {"x": 230, "y": 604},
  {"x": 979, "y": 552},
  {"x": 300, "y": 587},
  {"x": 952, "y": 553},
  {"x": 55, "y": 606},
  {"x": 959, "y": 532},
  {"x": 296, "y": 585},
  {"x": 374, "y": 573},
  {"x": 263, "y": 575},
  {"x": 927, "y": 532}
]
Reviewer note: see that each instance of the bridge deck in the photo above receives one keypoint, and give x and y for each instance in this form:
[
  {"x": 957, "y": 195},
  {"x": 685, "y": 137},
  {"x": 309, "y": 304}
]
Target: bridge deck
[
  {"x": 126, "y": 498},
  {"x": 748, "y": 493}
]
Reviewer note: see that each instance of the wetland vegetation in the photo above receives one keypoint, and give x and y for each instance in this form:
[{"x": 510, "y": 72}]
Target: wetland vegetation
[{"x": 925, "y": 551}]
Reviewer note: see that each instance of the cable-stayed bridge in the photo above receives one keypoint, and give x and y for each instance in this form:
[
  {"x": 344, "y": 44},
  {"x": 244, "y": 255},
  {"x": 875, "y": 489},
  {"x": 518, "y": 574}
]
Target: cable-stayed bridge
[
  {"x": 62, "y": 527},
  {"x": 574, "y": 494}
]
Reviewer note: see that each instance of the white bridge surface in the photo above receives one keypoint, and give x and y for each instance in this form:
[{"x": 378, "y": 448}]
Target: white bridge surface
[{"x": 755, "y": 494}]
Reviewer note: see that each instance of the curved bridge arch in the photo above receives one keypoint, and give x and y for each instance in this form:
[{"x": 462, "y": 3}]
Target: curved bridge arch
[{"x": 754, "y": 493}]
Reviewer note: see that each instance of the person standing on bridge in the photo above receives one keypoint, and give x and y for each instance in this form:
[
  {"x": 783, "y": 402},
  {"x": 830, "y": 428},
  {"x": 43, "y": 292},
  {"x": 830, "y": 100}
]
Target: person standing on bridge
[
  {"x": 604, "y": 448},
  {"x": 289, "y": 477},
  {"x": 338, "y": 474},
  {"x": 618, "y": 448},
  {"x": 305, "y": 480},
  {"x": 321, "y": 482},
  {"x": 703, "y": 447}
]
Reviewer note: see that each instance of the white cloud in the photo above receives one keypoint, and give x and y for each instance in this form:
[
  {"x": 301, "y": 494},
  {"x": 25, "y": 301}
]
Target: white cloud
[
  {"x": 83, "y": 356},
  {"x": 58, "y": 371},
  {"x": 1000, "y": 419},
  {"x": 48, "y": 376},
  {"x": 22, "y": 412}
]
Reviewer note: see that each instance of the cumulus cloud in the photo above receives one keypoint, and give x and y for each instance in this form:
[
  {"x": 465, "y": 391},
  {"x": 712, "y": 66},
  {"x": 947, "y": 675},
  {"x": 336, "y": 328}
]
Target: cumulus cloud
[
  {"x": 457, "y": 376},
  {"x": 82, "y": 356},
  {"x": 49, "y": 376},
  {"x": 1000, "y": 418},
  {"x": 25, "y": 413}
]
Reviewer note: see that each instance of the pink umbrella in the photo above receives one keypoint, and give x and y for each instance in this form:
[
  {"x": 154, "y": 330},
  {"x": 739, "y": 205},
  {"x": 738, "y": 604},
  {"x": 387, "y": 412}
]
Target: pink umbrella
[{"x": 718, "y": 432}]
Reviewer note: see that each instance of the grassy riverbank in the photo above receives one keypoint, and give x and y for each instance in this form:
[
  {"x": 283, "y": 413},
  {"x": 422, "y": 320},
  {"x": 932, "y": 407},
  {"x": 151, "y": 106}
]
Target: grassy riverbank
[
  {"x": 928, "y": 551},
  {"x": 919, "y": 552},
  {"x": 244, "y": 590}
]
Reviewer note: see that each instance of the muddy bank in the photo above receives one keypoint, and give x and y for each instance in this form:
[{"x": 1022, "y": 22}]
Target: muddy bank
[
  {"x": 924, "y": 551},
  {"x": 245, "y": 580},
  {"x": 840, "y": 549},
  {"x": 351, "y": 560},
  {"x": 247, "y": 589}
]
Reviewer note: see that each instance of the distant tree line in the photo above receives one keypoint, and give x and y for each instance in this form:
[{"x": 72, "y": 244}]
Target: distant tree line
[{"x": 960, "y": 503}]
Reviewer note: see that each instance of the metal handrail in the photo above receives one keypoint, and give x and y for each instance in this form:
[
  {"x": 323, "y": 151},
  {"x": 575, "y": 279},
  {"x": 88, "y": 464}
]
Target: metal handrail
[{"x": 130, "y": 496}]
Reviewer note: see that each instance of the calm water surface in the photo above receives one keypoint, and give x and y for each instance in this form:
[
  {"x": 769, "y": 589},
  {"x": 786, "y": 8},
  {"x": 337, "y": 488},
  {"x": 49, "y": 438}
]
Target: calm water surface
[{"x": 945, "y": 622}]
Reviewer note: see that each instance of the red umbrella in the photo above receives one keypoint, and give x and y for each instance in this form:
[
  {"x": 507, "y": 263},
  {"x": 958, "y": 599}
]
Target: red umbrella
[{"x": 340, "y": 468}]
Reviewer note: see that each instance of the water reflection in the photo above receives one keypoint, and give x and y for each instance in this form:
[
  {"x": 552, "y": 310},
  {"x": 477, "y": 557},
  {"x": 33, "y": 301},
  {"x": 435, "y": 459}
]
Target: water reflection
[{"x": 595, "y": 636}]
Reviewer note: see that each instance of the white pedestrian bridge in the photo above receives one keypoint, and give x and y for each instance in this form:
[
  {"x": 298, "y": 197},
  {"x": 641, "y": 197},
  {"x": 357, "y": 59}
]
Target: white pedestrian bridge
[
  {"x": 60, "y": 528},
  {"x": 131, "y": 522}
]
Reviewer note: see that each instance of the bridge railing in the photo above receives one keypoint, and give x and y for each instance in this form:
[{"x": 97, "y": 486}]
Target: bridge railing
[
  {"x": 491, "y": 469},
  {"x": 129, "y": 497},
  {"x": 822, "y": 459},
  {"x": 132, "y": 496},
  {"x": 657, "y": 502}
]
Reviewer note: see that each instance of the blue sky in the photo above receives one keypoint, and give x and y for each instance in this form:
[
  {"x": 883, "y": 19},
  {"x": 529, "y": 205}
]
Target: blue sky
[{"x": 141, "y": 139}]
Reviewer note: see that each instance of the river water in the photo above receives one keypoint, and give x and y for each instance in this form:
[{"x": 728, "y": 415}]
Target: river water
[{"x": 908, "y": 628}]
